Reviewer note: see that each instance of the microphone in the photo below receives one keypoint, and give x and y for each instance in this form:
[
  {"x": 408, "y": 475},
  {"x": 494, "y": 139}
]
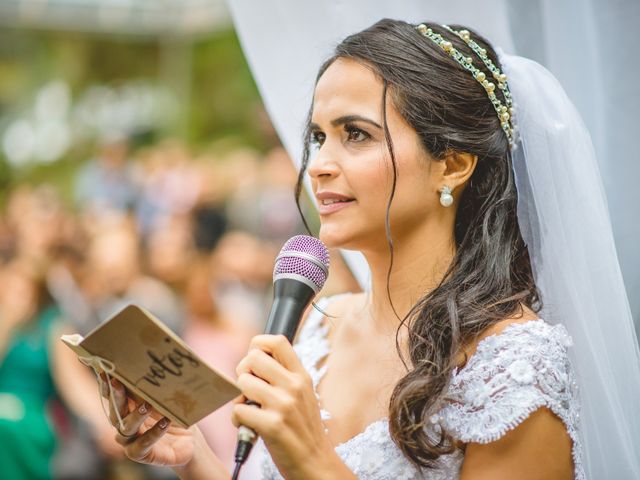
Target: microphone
[{"x": 300, "y": 270}]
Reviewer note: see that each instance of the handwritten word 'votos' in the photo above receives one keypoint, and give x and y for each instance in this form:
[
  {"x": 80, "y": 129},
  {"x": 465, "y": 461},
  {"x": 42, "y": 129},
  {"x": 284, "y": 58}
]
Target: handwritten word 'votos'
[{"x": 171, "y": 363}]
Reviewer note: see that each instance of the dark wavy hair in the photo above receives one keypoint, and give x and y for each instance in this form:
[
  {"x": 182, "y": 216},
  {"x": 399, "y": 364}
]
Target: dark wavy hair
[{"x": 490, "y": 277}]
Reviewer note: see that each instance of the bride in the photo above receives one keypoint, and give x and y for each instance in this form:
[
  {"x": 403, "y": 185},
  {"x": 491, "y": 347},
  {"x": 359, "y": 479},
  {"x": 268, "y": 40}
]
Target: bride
[{"x": 434, "y": 157}]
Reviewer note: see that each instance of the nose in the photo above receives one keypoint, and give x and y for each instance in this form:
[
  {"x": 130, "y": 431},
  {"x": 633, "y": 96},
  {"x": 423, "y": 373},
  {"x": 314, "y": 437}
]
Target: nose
[{"x": 323, "y": 164}]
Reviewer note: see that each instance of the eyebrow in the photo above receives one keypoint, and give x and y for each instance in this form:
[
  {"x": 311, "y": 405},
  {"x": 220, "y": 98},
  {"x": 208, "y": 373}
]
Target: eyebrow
[{"x": 346, "y": 119}]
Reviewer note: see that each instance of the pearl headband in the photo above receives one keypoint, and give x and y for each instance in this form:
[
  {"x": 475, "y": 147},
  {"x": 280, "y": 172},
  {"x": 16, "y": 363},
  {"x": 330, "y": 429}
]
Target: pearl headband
[{"x": 504, "y": 110}]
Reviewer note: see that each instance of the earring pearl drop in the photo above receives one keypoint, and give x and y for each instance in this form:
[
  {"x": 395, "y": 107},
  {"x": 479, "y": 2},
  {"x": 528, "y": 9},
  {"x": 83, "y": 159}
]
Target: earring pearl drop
[{"x": 446, "y": 199}]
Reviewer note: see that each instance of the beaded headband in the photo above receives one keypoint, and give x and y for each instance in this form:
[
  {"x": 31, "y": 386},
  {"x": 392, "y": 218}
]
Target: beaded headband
[{"x": 505, "y": 111}]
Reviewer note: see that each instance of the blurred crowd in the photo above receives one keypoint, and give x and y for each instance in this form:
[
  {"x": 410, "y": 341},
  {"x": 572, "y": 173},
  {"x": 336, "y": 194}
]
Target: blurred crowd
[{"x": 190, "y": 238}]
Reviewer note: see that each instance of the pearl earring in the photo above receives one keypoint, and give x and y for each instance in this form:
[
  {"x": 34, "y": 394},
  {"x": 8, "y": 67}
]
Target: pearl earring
[{"x": 446, "y": 199}]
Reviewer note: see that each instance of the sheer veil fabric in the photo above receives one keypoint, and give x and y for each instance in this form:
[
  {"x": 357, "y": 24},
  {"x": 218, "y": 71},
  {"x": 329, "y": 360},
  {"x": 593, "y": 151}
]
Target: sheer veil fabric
[
  {"x": 563, "y": 216},
  {"x": 562, "y": 212}
]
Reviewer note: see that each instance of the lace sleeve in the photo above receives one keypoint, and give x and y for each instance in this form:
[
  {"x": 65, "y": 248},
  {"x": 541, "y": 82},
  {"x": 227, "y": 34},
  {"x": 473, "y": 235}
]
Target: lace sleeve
[{"x": 511, "y": 375}]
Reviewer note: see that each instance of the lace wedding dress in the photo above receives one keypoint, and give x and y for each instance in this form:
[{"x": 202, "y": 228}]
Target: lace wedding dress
[{"x": 510, "y": 375}]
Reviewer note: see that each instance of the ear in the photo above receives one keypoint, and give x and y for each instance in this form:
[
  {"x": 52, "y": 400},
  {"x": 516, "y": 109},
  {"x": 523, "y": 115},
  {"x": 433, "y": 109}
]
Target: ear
[{"x": 458, "y": 168}]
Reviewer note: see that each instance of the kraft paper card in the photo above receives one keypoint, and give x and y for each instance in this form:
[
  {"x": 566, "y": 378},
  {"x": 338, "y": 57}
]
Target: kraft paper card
[{"x": 155, "y": 364}]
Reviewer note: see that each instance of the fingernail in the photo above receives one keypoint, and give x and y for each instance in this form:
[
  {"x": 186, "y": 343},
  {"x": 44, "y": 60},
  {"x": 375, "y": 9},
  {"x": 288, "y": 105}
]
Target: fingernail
[
  {"x": 163, "y": 423},
  {"x": 142, "y": 409},
  {"x": 114, "y": 382}
]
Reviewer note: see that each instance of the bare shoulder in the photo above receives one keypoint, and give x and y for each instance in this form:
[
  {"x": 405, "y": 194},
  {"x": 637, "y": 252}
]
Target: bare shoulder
[
  {"x": 342, "y": 307},
  {"x": 539, "y": 448},
  {"x": 332, "y": 310},
  {"x": 341, "y": 304}
]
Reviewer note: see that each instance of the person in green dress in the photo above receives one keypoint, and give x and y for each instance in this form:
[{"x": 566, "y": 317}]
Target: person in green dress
[
  {"x": 34, "y": 367},
  {"x": 26, "y": 387}
]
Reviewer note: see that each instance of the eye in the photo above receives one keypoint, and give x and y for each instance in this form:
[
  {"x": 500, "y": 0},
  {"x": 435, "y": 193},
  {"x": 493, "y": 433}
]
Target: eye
[
  {"x": 316, "y": 139},
  {"x": 355, "y": 134}
]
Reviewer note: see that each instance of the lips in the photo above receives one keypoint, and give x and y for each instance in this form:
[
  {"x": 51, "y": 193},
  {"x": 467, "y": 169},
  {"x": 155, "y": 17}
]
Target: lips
[{"x": 330, "y": 202}]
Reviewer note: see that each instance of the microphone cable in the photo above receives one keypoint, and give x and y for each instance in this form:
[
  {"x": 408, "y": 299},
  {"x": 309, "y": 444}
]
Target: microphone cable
[
  {"x": 246, "y": 439},
  {"x": 242, "y": 453},
  {"x": 236, "y": 471}
]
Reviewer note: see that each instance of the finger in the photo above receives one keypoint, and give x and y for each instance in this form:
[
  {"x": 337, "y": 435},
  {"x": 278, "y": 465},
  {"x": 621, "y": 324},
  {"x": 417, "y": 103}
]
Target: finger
[
  {"x": 263, "y": 365},
  {"x": 278, "y": 347},
  {"x": 140, "y": 447},
  {"x": 256, "y": 389},
  {"x": 120, "y": 400},
  {"x": 259, "y": 420},
  {"x": 125, "y": 440},
  {"x": 132, "y": 422}
]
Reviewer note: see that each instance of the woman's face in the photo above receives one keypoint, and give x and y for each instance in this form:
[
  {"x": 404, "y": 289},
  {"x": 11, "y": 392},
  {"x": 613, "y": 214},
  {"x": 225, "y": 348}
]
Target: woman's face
[{"x": 351, "y": 169}]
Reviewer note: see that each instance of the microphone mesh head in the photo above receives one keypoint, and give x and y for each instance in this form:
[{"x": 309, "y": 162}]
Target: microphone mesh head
[{"x": 289, "y": 262}]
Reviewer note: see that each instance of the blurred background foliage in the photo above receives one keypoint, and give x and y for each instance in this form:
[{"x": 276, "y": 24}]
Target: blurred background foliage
[{"x": 195, "y": 88}]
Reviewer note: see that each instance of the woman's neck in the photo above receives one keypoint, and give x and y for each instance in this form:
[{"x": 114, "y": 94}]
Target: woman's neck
[{"x": 416, "y": 271}]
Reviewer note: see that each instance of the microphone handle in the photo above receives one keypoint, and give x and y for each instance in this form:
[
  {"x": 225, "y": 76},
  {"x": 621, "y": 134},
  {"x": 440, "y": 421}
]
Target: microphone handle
[{"x": 290, "y": 299}]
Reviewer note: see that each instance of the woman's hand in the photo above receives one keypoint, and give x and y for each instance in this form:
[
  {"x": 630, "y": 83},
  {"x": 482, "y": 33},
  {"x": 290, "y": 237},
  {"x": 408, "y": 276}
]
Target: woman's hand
[
  {"x": 289, "y": 418},
  {"x": 146, "y": 436}
]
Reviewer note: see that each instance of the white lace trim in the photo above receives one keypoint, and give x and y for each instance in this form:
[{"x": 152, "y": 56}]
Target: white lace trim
[{"x": 510, "y": 375}]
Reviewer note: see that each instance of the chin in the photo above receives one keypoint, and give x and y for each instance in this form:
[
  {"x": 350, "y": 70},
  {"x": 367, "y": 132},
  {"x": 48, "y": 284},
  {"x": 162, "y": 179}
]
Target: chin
[
  {"x": 340, "y": 237},
  {"x": 329, "y": 240},
  {"x": 332, "y": 237}
]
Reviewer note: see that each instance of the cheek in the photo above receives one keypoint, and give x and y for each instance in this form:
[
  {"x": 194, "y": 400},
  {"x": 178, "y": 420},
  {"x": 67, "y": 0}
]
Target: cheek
[
  {"x": 415, "y": 187},
  {"x": 414, "y": 199},
  {"x": 375, "y": 184},
  {"x": 374, "y": 175}
]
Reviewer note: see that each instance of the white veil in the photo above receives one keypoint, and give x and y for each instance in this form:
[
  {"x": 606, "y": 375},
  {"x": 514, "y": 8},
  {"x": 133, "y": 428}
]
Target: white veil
[
  {"x": 562, "y": 213},
  {"x": 564, "y": 219}
]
